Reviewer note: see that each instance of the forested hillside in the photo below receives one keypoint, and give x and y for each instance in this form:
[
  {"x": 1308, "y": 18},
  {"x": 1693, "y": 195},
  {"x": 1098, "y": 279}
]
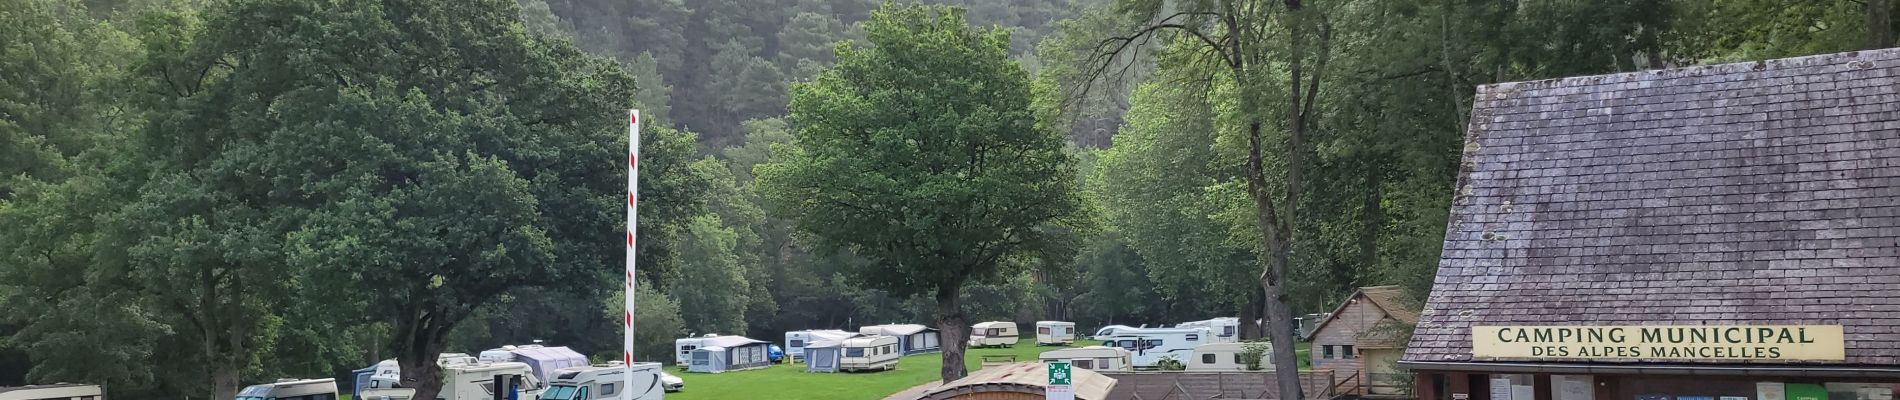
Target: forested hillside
[{"x": 195, "y": 194}]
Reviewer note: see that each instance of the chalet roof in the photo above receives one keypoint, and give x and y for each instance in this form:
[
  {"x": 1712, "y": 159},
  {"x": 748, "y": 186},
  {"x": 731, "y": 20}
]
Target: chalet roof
[
  {"x": 1389, "y": 299},
  {"x": 1024, "y": 377},
  {"x": 1750, "y": 193}
]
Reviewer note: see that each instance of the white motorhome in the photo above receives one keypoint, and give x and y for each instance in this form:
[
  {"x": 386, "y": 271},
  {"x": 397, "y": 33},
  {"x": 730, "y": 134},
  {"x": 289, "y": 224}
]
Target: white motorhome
[
  {"x": 1227, "y": 357},
  {"x": 1055, "y": 333},
  {"x": 1094, "y": 358},
  {"x": 683, "y": 348},
  {"x": 993, "y": 334},
  {"x": 868, "y": 353},
  {"x": 796, "y": 341},
  {"x": 291, "y": 389},
  {"x": 63, "y": 391},
  {"x": 1225, "y": 330},
  {"x": 1107, "y": 331},
  {"x": 463, "y": 378},
  {"x": 608, "y": 381},
  {"x": 1149, "y": 345},
  {"x": 542, "y": 359}
]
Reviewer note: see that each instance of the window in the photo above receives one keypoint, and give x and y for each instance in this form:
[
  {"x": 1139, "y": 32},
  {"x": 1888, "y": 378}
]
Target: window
[
  {"x": 1193, "y": 337},
  {"x": 558, "y": 392},
  {"x": 582, "y": 394},
  {"x": 1085, "y": 363},
  {"x": 606, "y": 389},
  {"x": 1150, "y": 344},
  {"x": 890, "y": 348},
  {"x": 1042, "y": 330},
  {"x": 1126, "y": 344},
  {"x": 1237, "y": 359},
  {"x": 854, "y": 352},
  {"x": 1347, "y": 352},
  {"x": 1227, "y": 331},
  {"x": 1207, "y": 358},
  {"x": 796, "y": 343}
]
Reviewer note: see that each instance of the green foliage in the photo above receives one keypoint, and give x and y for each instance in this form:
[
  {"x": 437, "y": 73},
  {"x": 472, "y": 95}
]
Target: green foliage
[
  {"x": 1252, "y": 354},
  {"x": 1169, "y": 363},
  {"x": 711, "y": 285}
]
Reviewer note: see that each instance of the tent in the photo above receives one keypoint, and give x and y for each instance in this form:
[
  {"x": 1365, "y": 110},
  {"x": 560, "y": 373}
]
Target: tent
[
  {"x": 823, "y": 355},
  {"x": 545, "y": 360},
  {"x": 911, "y": 338},
  {"x": 729, "y": 353}
]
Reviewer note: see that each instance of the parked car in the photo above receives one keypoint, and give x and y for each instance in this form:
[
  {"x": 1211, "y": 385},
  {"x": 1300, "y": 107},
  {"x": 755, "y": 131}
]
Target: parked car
[
  {"x": 671, "y": 383},
  {"x": 775, "y": 353}
]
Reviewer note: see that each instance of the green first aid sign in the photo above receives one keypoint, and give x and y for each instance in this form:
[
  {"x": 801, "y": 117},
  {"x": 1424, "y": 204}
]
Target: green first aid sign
[{"x": 1059, "y": 373}]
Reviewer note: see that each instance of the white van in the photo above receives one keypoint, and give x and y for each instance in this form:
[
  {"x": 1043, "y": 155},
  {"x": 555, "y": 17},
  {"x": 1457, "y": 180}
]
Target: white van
[
  {"x": 1149, "y": 345},
  {"x": 1055, "y": 333},
  {"x": 683, "y": 348},
  {"x": 993, "y": 334},
  {"x": 1227, "y": 357},
  {"x": 869, "y": 353},
  {"x": 1093, "y": 358},
  {"x": 291, "y": 389},
  {"x": 607, "y": 381},
  {"x": 1225, "y": 330}
]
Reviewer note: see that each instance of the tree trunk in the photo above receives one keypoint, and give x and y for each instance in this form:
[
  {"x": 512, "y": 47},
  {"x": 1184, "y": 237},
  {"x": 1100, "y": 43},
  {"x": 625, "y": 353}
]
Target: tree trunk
[
  {"x": 1879, "y": 24},
  {"x": 419, "y": 339},
  {"x": 224, "y": 380},
  {"x": 1286, "y": 369},
  {"x": 956, "y": 330},
  {"x": 1249, "y": 313}
]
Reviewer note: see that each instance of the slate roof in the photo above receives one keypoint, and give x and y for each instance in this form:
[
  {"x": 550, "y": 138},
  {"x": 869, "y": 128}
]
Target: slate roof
[{"x": 1750, "y": 193}]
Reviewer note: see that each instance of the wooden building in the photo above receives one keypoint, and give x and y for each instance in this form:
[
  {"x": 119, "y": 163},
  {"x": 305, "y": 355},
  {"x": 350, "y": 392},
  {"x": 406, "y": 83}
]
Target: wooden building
[
  {"x": 1715, "y": 232},
  {"x": 1362, "y": 339}
]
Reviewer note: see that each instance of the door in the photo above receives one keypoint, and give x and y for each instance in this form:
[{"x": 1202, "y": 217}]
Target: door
[{"x": 1381, "y": 369}]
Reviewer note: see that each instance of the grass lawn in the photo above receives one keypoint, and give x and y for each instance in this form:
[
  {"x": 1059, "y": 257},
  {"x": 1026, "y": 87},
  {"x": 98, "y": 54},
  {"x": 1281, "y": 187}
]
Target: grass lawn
[{"x": 791, "y": 382}]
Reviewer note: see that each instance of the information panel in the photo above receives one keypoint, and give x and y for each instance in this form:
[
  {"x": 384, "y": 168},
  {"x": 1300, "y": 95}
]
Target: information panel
[{"x": 1665, "y": 342}]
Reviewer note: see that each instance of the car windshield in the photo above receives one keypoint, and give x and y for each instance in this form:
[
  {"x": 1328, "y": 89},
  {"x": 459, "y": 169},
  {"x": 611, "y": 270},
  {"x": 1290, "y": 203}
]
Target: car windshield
[{"x": 559, "y": 392}]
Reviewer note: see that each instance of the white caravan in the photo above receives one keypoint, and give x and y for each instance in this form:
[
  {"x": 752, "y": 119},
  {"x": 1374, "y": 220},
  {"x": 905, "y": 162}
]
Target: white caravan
[
  {"x": 683, "y": 348},
  {"x": 1227, "y": 357},
  {"x": 1093, "y": 358},
  {"x": 869, "y": 353},
  {"x": 63, "y": 391},
  {"x": 993, "y": 334},
  {"x": 607, "y": 381},
  {"x": 463, "y": 378},
  {"x": 291, "y": 389},
  {"x": 1149, "y": 345},
  {"x": 1225, "y": 330},
  {"x": 795, "y": 341},
  {"x": 1055, "y": 332}
]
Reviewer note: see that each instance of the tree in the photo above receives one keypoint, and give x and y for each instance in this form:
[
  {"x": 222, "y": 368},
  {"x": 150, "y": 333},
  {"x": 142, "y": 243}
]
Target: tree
[
  {"x": 924, "y": 154},
  {"x": 710, "y": 285}
]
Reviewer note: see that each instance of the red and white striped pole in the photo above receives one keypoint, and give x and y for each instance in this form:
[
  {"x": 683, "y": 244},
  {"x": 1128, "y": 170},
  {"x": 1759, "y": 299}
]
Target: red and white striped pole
[{"x": 633, "y": 190}]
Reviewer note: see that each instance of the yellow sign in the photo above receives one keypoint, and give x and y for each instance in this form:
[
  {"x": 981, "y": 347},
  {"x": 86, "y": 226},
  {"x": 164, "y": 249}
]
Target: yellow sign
[{"x": 1661, "y": 342}]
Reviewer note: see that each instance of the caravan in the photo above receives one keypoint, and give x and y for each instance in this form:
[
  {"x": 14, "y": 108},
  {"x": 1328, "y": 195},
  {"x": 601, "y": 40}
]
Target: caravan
[
  {"x": 1055, "y": 333},
  {"x": 463, "y": 378},
  {"x": 609, "y": 382},
  {"x": 291, "y": 389},
  {"x": 683, "y": 348},
  {"x": 1093, "y": 358},
  {"x": 1149, "y": 345},
  {"x": 796, "y": 341},
  {"x": 1228, "y": 357},
  {"x": 1225, "y": 330},
  {"x": 543, "y": 360},
  {"x": 993, "y": 334},
  {"x": 869, "y": 353}
]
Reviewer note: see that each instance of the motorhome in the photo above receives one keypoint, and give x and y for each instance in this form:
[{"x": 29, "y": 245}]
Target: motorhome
[
  {"x": 796, "y": 341},
  {"x": 1228, "y": 357},
  {"x": 291, "y": 389},
  {"x": 1149, "y": 345},
  {"x": 1107, "y": 331},
  {"x": 869, "y": 353},
  {"x": 608, "y": 381},
  {"x": 463, "y": 378},
  {"x": 1225, "y": 330},
  {"x": 63, "y": 391},
  {"x": 1094, "y": 358},
  {"x": 683, "y": 348},
  {"x": 993, "y": 334},
  {"x": 1055, "y": 333}
]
